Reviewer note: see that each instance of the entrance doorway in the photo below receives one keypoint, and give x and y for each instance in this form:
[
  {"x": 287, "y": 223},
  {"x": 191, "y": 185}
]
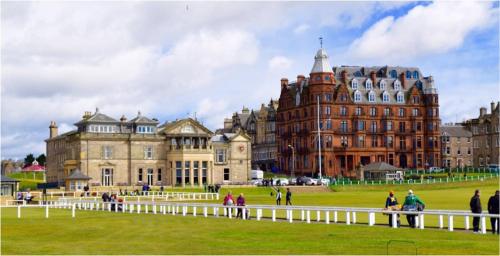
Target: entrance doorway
[
  {"x": 403, "y": 161},
  {"x": 150, "y": 176}
]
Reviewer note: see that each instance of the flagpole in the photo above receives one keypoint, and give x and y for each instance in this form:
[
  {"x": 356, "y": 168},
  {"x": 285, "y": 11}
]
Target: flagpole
[{"x": 319, "y": 141}]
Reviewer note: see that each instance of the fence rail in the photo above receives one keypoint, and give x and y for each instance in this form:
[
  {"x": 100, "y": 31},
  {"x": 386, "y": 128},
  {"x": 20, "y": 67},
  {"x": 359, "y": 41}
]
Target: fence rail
[
  {"x": 418, "y": 181},
  {"x": 256, "y": 211},
  {"x": 158, "y": 195}
]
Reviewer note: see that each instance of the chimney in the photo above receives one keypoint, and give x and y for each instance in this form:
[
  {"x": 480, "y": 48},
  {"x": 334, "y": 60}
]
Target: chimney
[
  {"x": 123, "y": 119},
  {"x": 492, "y": 107},
  {"x": 344, "y": 76},
  {"x": 402, "y": 78},
  {"x": 300, "y": 78},
  {"x": 86, "y": 114},
  {"x": 284, "y": 83},
  {"x": 482, "y": 111},
  {"x": 373, "y": 77},
  {"x": 228, "y": 123},
  {"x": 53, "y": 129}
]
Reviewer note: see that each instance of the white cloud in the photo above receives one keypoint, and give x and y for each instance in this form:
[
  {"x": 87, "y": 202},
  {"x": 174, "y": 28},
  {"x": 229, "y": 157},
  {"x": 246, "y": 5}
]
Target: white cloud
[
  {"x": 280, "y": 62},
  {"x": 301, "y": 29},
  {"x": 436, "y": 28}
]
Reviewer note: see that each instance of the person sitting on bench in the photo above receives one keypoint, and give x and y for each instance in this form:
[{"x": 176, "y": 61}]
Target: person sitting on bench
[{"x": 28, "y": 197}]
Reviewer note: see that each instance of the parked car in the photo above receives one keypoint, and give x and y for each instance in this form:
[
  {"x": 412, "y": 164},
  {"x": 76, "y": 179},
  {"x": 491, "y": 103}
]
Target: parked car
[
  {"x": 435, "y": 169},
  {"x": 257, "y": 182},
  {"x": 302, "y": 180},
  {"x": 312, "y": 181},
  {"x": 324, "y": 181},
  {"x": 292, "y": 181},
  {"x": 280, "y": 182}
]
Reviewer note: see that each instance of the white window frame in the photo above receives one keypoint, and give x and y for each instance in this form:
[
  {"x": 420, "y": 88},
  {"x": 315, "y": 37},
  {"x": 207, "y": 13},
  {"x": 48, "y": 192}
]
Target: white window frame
[
  {"x": 354, "y": 84},
  {"x": 148, "y": 152}
]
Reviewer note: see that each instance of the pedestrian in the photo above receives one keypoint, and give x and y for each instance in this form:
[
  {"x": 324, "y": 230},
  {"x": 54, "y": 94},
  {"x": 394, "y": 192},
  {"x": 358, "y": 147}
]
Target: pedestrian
[
  {"x": 105, "y": 197},
  {"x": 278, "y": 197},
  {"x": 161, "y": 190},
  {"x": 240, "y": 202},
  {"x": 44, "y": 194},
  {"x": 475, "y": 207},
  {"x": 86, "y": 190},
  {"x": 288, "y": 197},
  {"x": 391, "y": 203},
  {"x": 20, "y": 197},
  {"x": 493, "y": 209},
  {"x": 28, "y": 198},
  {"x": 228, "y": 201},
  {"x": 412, "y": 204}
]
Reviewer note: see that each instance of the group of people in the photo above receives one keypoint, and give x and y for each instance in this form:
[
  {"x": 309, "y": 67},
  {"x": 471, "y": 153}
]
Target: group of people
[
  {"x": 475, "y": 207},
  {"x": 213, "y": 188},
  {"x": 114, "y": 200},
  {"x": 240, "y": 201},
  {"x": 414, "y": 203},
  {"x": 288, "y": 197},
  {"x": 27, "y": 198}
]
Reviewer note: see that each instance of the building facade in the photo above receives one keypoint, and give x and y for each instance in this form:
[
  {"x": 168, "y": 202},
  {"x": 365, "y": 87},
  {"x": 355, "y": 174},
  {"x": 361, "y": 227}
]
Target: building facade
[
  {"x": 366, "y": 114},
  {"x": 260, "y": 125},
  {"x": 456, "y": 146},
  {"x": 135, "y": 152},
  {"x": 485, "y": 136}
]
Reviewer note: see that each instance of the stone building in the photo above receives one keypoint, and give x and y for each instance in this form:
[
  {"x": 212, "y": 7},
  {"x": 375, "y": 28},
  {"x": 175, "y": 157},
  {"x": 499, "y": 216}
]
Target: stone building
[
  {"x": 232, "y": 156},
  {"x": 366, "y": 114},
  {"x": 260, "y": 125},
  {"x": 456, "y": 146},
  {"x": 120, "y": 152},
  {"x": 485, "y": 136}
]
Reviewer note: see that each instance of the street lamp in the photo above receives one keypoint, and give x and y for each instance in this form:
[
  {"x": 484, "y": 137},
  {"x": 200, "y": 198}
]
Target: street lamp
[{"x": 293, "y": 160}]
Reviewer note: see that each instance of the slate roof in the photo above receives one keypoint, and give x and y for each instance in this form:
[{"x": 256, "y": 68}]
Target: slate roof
[
  {"x": 380, "y": 166},
  {"x": 455, "y": 131},
  {"x": 321, "y": 64},
  {"x": 8, "y": 179},
  {"x": 140, "y": 119},
  {"x": 78, "y": 175},
  {"x": 98, "y": 118}
]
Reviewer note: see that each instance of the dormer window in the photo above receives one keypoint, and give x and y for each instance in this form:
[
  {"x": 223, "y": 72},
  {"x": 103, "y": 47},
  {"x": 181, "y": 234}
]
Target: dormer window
[
  {"x": 385, "y": 97},
  {"x": 101, "y": 128},
  {"x": 400, "y": 97},
  {"x": 408, "y": 74},
  {"x": 354, "y": 84},
  {"x": 371, "y": 96},
  {"x": 393, "y": 74},
  {"x": 415, "y": 75},
  {"x": 357, "y": 96},
  {"x": 369, "y": 84},
  {"x": 397, "y": 85},
  {"x": 383, "y": 85},
  {"x": 144, "y": 129}
]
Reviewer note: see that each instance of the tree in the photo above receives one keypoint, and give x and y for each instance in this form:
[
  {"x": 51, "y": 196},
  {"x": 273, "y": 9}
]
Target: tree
[
  {"x": 29, "y": 159},
  {"x": 41, "y": 159}
]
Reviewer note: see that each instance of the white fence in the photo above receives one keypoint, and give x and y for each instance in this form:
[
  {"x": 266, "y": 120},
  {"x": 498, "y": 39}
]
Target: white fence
[
  {"x": 329, "y": 214},
  {"x": 154, "y": 195}
]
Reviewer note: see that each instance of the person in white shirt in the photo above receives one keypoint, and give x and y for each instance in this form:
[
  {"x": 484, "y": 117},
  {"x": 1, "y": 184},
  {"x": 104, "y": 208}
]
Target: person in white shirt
[{"x": 278, "y": 197}]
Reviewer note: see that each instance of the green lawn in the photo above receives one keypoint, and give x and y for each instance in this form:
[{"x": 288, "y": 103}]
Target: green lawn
[{"x": 124, "y": 233}]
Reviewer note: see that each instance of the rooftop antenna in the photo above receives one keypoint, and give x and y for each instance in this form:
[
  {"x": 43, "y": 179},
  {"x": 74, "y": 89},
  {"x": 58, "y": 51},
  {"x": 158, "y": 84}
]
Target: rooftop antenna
[{"x": 321, "y": 42}]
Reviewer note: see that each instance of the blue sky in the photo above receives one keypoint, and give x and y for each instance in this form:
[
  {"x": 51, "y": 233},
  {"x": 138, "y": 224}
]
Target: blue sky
[{"x": 170, "y": 59}]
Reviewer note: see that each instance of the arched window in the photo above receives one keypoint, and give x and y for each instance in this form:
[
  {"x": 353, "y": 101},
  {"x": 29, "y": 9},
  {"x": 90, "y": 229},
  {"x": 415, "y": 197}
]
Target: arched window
[
  {"x": 383, "y": 85},
  {"x": 397, "y": 85},
  {"x": 357, "y": 96},
  {"x": 400, "y": 97},
  {"x": 393, "y": 73},
  {"x": 415, "y": 75},
  {"x": 371, "y": 96},
  {"x": 419, "y": 84},
  {"x": 408, "y": 74},
  {"x": 358, "y": 74},
  {"x": 369, "y": 84},
  {"x": 385, "y": 97},
  {"x": 354, "y": 84}
]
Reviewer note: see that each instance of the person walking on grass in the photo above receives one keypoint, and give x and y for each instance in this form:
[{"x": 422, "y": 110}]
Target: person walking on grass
[
  {"x": 228, "y": 201},
  {"x": 278, "y": 197},
  {"x": 240, "y": 201},
  {"x": 475, "y": 207},
  {"x": 493, "y": 209},
  {"x": 391, "y": 204},
  {"x": 288, "y": 197},
  {"x": 412, "y": 204}
]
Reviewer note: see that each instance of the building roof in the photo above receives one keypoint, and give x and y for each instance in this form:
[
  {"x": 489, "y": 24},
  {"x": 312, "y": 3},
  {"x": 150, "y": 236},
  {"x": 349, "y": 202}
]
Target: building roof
[
  {"x": 140, "y": 119},
  {"x": 97, "y": 117},
  {"x": 8, "y": 179},
  {"x": 455, "y": 131},
  {"x": 321, "y": 63},
  {"x": 380, "y": 166},
  {"x": 78, "y": 175}
]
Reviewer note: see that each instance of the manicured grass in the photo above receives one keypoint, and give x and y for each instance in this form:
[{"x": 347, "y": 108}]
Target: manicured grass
[
  {"x": 125, "y": 233},
  {"x": 26, "y": 179}
]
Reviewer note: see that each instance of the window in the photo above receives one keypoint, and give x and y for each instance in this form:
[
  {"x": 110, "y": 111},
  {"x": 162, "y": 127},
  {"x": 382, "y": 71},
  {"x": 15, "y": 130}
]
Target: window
[
  {"x": 204, "y": 168},
  {"x": 393, "y": 73},
  {"x": 343, "y": 126},
  {"x": 107, "y": 176},
  {"x": 187, "y": 169},
  {"x": 388, "y": 126},
  {"x": 416, "y": 99},
  {"x": 383, "y": 85},
  {"x": 328, "y": 110},
  {"x": 159, "y": 174},
  {"x": 139, "y": 172},
  {"x": 387, "y": 111},
  {"x": 415, "y": 75},
  {"x": 415, "y": 112},
  {"x": 148, "y": 152},
  {"x": 144, "y": 129},
  {"x": 400, "y": 97},
  {"x": 196, "y": 171},
  {"x": 389, "y": 141},
  {"x": 374, "y": 141},
  {"x": 343, "y": 111},
  {"x": 402, "y": 126},
  {"x": 397, "y": 85},
  {"x": 220, "y": 155},
  {"x": 328, "y": 97},
  {"x": 373, "y": 111},
  {"x": 178, "y": 172},
  {"x": 373, "y": 126},
  {"x": 357, "y": 96},
  {"x": 329, "y": 141},
  {"x": 361, "y": 141},
  {"x": 385, "y": 97},
  {"x": 329, "y": 124},
  {"x": 361, "y": 125},
  {"x": 150, "y": 176},
  {"x": 226, "y": 174},
  {"x": 354, "y": 84},
  {"x": 358, "y": 111},
  {"x": 344, "y": 142},
  {"x": 107, "y": 152},
  {"x": 401, "y": 112},
  {"x": 408, "y": 74},
  {"x": 371, "y": 96},
  {"x": 369, "y": 84}
]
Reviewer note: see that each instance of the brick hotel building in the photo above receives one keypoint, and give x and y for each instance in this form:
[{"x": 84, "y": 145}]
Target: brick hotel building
[{"x": 366, "y": 114}]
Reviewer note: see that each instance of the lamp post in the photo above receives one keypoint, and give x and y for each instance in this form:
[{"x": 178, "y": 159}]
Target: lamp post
[{"x": 293, "y": 160}]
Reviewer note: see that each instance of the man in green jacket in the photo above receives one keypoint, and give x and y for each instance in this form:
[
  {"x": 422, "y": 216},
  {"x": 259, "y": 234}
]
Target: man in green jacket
[{"x": 412, "y": 203}]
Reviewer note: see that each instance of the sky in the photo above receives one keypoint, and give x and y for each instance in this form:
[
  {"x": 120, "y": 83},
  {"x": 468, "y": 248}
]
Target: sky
[{"x": 174, "y": 59}]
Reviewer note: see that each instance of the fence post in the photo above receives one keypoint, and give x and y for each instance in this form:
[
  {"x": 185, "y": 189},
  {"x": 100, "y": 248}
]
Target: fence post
[
  {"x": 194, "y": 211},
  {"x": 302, "y": 215},
  {"x": 353, "y": 217},
  {"x": 370, "y": 219},
  {"x": 46, "y": 211},
  {"x": 73, "y": 207},
  {"x": 205, "y": 211},
  {"x": 184, "y": 210},
  {"x": 229, "y": 212},
  {"x": 274, "y": 214},
  {"x": 335, "y": 219},
  {"x": 327, "y": 217},
  {"x": 421, "y": 216},
  {"x": 19, "y": 212},
  {"x": 394, "y": 220},
  {"x": 440, "y": 221},
  {"x": 308, "y": 216},
  {"x": 259, "y": 212},
  {"x": 139, "y": 208},
  {"x": 483, "y": 225},
  {"x": 154, "y": 208},
  {"x": 318, "y": 216},
  {"x": 466, "y": 222},
  {"x": 131, "y": 208},
  {"x": 450, "y": 222},
  {"x": 216, "y": 212},
  {"x": 347, "y": 218}
]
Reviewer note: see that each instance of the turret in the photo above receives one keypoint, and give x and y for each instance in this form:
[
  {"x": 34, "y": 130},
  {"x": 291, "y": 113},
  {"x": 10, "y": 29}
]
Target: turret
[
  {"x": 284, "y": 83},
  {"x": 53, "y": 129}
]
